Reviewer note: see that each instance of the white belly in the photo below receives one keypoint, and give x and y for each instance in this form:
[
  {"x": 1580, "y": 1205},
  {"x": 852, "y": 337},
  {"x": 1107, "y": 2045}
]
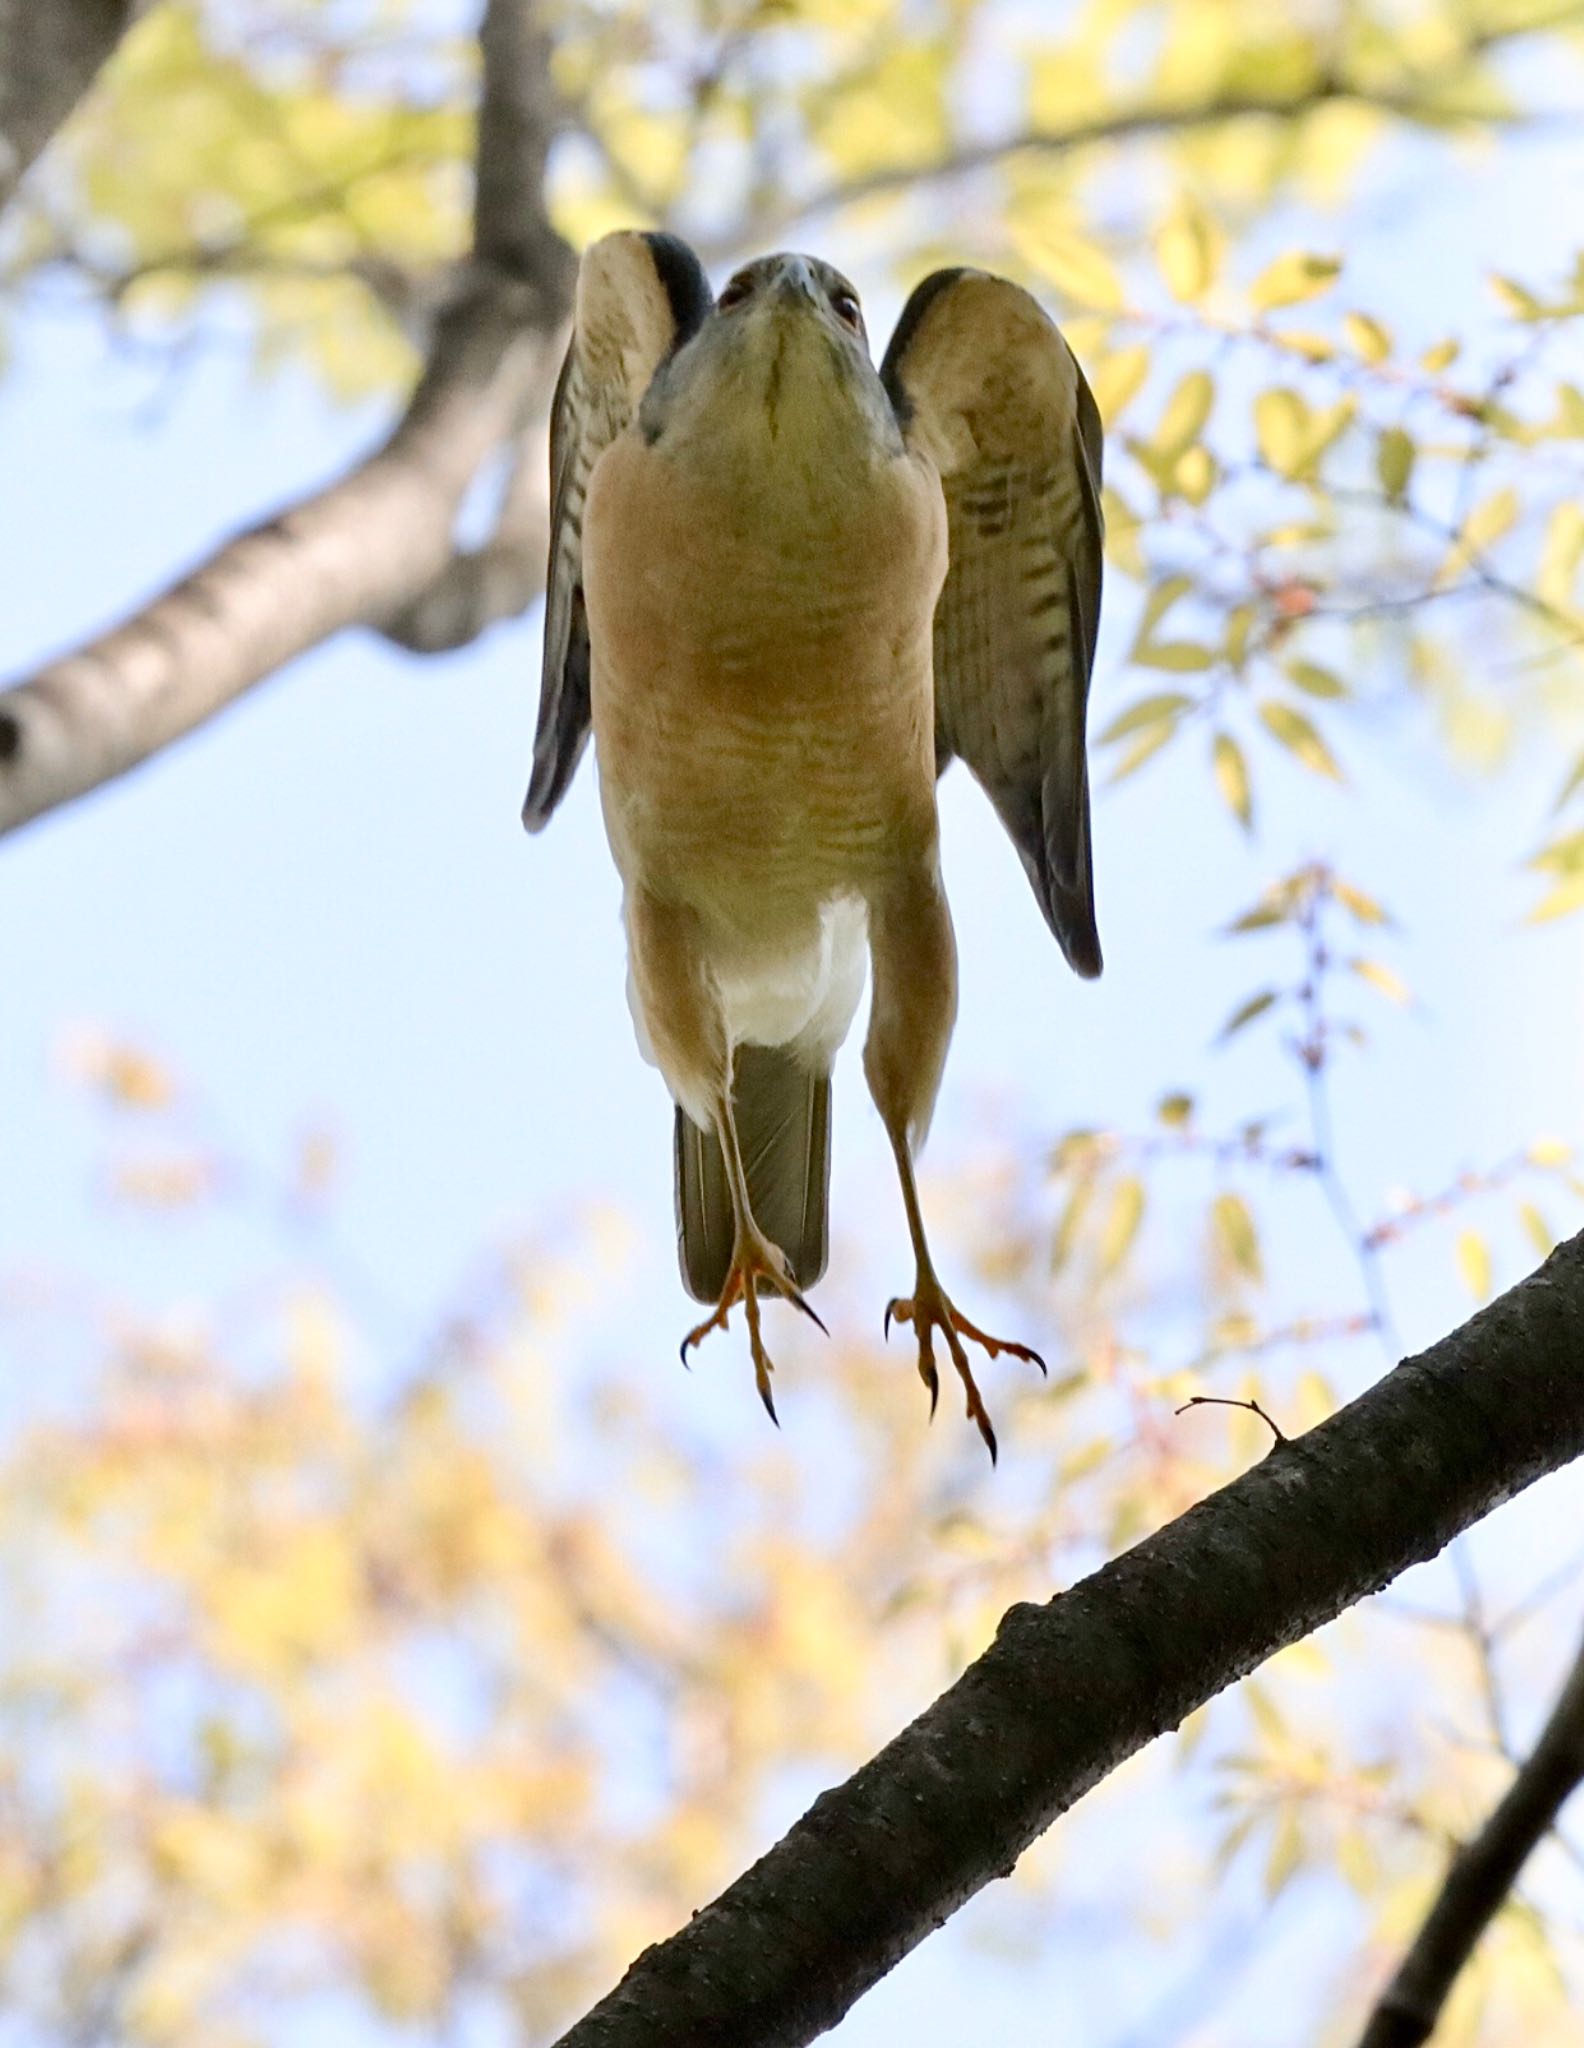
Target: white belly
[{"x": 803, "y": 993}]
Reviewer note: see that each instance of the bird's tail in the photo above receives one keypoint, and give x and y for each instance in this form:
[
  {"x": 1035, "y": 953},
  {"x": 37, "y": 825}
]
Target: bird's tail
[{"x": 782, "y": 1112}]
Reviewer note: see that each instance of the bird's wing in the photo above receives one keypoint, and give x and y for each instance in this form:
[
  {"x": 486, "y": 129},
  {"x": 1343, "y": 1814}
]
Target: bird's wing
[
  {"x": 639, "y": 298},
  {"x": 983, "y": 384}
]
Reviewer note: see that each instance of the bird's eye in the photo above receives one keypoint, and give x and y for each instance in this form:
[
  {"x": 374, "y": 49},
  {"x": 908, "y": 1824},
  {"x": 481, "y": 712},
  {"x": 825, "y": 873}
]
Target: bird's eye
[
  {"x": 845, "y": 306},
  {"x": 739, "y": 289}
]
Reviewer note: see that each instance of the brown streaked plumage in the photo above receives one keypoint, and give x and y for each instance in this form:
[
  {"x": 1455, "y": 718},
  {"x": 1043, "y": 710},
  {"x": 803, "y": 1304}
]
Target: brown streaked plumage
[{"x": 785, "y": 590}]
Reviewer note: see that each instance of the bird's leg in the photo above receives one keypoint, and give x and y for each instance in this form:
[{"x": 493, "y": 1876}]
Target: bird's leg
[
  {"x": 929, "y": 1308},
  {"x": 757, "y": 1263},
  {"x": 910, "y": 1020}
]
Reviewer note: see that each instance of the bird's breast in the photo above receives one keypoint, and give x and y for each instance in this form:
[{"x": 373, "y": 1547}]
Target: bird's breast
[{"x": 760, "y": 622}]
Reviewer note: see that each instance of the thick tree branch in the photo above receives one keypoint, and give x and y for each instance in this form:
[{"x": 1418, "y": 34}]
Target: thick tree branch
[
  {"x": 377, "y": 548},
  {"x": 1483, "y": 1872},
  {"x": 50, "y": 53},
  {"x": 1071, "y": 1689}
]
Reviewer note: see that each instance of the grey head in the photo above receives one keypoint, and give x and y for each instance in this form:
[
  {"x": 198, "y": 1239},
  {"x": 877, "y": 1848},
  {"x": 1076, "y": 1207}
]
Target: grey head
[{"x": 783, "y": 326}]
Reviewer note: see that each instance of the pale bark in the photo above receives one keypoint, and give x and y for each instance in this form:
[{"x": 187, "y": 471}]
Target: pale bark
[{"x": 377, "y": 547}]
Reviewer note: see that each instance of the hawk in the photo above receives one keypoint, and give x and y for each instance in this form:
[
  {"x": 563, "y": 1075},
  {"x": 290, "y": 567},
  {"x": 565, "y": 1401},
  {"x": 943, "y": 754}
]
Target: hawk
[{"x": 785, "y": 589}]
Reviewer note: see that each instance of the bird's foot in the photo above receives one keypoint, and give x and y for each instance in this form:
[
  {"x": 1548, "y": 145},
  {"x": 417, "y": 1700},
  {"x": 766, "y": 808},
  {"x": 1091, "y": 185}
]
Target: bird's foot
[
  {"x": 929, "y": 1310},
  {"x": 755, "y": 1260}
]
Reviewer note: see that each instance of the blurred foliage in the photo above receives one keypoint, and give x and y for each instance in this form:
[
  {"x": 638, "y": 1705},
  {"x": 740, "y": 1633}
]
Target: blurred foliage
[
  {"x": 320, "y": 1677},
  {"x": 451, "y": 1684}
]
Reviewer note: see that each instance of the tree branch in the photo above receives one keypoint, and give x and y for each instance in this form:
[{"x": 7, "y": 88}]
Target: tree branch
[
  {"x": 50, "y": 53},
  {"x": 1483, "y": 1872},
  {"x": 366, "y": 550},
  {"x": 1069, "y": 1690}
]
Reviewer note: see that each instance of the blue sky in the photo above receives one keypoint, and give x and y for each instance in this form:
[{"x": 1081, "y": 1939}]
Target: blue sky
[{"x": 323, "y": 906}]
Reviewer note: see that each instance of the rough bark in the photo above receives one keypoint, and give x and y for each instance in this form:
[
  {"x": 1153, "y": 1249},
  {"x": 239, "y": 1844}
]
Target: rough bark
[
  {"x": 377, "y": 548},
  {"x": 1483, "y": 1872},
  {"x": 50, "y": 53},
  {"x": 1069, "y": 1690}
]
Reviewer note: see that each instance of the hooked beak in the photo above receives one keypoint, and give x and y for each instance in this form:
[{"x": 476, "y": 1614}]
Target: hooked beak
[{"x": 794, "y": 279}]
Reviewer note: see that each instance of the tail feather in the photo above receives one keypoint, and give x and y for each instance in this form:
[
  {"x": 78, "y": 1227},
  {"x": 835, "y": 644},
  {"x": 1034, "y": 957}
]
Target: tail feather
[{"x": 782, "y": 1112}]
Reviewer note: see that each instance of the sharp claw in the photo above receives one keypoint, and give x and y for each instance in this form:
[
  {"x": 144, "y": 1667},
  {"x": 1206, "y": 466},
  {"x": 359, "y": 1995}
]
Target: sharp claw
[
  {"x": 886, "y": 1326},
  {"x": 769, "y": 1401},
  {"x": 813, "y": 1315},
  {"x": 683, "y": 1354}
]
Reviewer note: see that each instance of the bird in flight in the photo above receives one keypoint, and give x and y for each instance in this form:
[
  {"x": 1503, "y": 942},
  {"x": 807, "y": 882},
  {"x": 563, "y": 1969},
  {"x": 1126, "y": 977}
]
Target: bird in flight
[{"x": 785, "y": 589}]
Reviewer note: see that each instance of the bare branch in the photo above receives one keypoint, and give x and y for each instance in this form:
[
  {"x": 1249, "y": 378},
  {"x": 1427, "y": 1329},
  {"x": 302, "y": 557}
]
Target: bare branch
[
  {"x": 518, "y": 117},
  {"x": 500, "y": 580},
  {"x": 353, "y": 554},
  {"x": 1071, "y": 1689},
  {"x": 376, "y": 548},
  {"x": 1483, "y": 1872},
  {"x": 50, "y": 53}
]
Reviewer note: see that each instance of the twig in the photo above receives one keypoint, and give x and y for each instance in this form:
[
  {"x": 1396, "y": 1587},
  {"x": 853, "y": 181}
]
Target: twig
[
  {"x": 1070, "y": 1689},
  {"x": 1226, "y": 1401}
]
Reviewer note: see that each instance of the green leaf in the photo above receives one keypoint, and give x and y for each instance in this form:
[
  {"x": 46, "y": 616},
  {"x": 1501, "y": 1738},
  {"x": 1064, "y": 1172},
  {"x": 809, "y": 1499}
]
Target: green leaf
[
  {"x": 1298, "y": 735},
  {"x": 1245, "y": 1014},
  {"x": 1232, "y": 778},
  {"x": 1293, "y": 278}
]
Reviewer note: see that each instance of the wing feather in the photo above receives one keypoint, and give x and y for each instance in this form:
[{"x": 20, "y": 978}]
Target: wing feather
[
  {"x": 983, "y": 383},
  {"x": 639, "y": 298}
]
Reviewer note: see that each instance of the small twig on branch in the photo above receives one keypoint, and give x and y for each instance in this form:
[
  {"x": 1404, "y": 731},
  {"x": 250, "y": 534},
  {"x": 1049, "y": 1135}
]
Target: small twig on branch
[
  {"x": 1482, "y": 1875},
  {"x": 1226, "y": 1401},
  {"x": 1071, "y": 1689}
]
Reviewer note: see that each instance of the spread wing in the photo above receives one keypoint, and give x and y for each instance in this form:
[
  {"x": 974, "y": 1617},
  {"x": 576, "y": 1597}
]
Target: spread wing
[
  {"x": 639, "y": 298},
  {"x": 984, "y": 384}
]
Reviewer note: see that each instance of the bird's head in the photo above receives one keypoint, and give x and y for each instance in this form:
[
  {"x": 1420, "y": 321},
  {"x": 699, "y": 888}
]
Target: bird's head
[{"x": 786, "y": 339}]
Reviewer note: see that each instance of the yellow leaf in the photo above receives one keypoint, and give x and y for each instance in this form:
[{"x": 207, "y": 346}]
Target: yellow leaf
[
  {"x": 1379, "y": 976},
  {"x": 1298, "y": 735},
  {"x": 1179, "y": 657},
  {"x": 1367, "y": 338},
  {"x": 1474, "y": 1263},
  {"x": 1189, "y": 249},
  {"x": 1236, "y": 1235},
  {"x": 1538, "y": 1231},
  {"x": 1293, "y": 278},
  {"x": 1186, "y": 412},
  {"x": 1164, "y": 704},
  {"x": 1116, "y": 377},
  {"x": 1232, "y": 778},
  {"x": 1316, "y": 681},
  {"x": 1122, "y": 1222}
]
